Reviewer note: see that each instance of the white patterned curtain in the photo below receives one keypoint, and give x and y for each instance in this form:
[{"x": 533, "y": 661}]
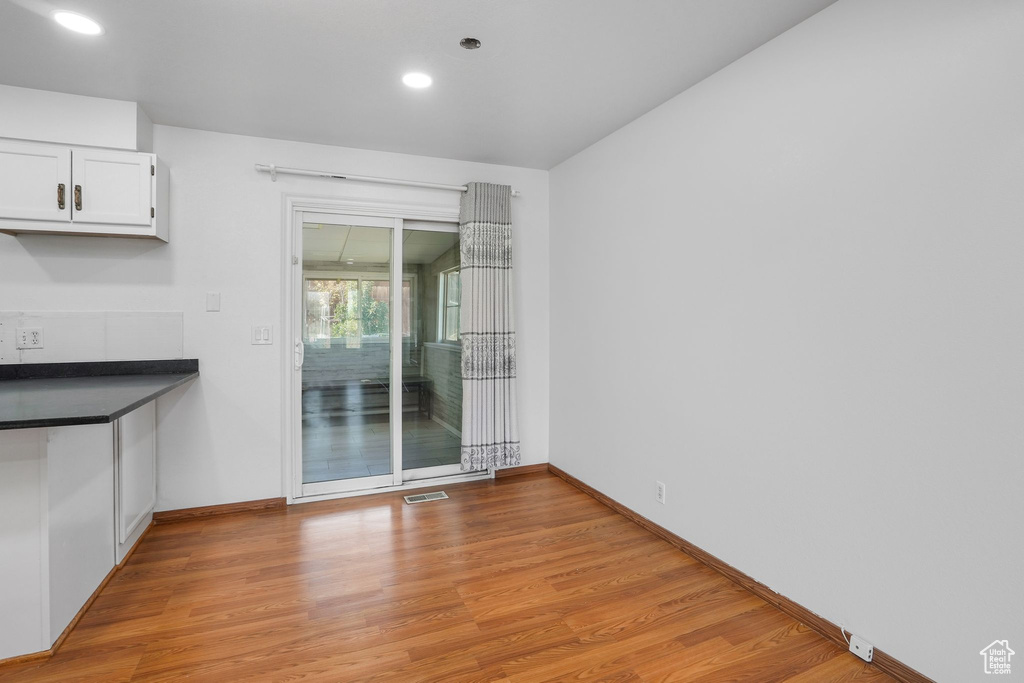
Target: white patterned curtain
[{"x": 490, "y": 423}]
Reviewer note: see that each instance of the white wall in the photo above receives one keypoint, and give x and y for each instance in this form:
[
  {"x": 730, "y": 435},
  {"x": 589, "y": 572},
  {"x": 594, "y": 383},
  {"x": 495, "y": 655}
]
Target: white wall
[
  {"x": 220, "y": 438},
  {"x": 818, "y": 258},
  {"x": 92, "y": 336},
  {"x": 44, "y": 116}
]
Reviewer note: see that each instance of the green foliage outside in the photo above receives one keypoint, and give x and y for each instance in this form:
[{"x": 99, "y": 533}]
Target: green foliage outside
[{"x": 341, "y": 302}]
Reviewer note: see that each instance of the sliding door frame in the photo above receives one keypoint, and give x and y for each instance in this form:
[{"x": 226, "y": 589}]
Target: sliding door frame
[{"x": 374, "y": 213}]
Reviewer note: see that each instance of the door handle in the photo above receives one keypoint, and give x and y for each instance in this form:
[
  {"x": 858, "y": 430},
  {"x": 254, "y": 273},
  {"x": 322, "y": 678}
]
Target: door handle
[
  {"x": 60, "y": 196},
  {"x": 78, "y": 197},
  {"x": 300, "y": 354}
]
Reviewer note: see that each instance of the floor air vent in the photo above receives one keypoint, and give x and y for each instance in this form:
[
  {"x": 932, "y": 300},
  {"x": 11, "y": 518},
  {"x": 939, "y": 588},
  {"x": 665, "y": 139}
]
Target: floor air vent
[{"x": 425, "y": 497}]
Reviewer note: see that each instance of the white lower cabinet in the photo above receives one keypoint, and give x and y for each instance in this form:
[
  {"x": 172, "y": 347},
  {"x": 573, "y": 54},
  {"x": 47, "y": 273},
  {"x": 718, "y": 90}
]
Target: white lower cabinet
[
  {"x": 80, "y": 489},
  {"x": 73, "y": 501},
  {"x": 134, "y": 475}
]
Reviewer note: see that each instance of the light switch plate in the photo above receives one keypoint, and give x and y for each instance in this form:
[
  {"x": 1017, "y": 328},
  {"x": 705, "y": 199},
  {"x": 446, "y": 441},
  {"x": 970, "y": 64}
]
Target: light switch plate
[
  {"x": 213, "y": 301},
  {"x": 262, "y": 335}
]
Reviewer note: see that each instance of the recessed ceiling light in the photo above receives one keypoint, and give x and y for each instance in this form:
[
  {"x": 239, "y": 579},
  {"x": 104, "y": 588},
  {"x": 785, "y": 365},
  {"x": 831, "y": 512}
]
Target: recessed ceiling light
[
  {"x": 417, "y": 80},
  {"x": 77, "y": 23}
]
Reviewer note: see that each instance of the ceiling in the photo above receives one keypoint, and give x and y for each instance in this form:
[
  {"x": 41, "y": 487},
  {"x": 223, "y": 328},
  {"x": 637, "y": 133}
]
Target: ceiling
[
  {"x": 552, "y": 76},
  {"x": 324, "y": 243}
]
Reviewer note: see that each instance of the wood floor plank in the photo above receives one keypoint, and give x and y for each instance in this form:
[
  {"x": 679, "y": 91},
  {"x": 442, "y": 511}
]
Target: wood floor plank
[{"x": 520, "y": 579}]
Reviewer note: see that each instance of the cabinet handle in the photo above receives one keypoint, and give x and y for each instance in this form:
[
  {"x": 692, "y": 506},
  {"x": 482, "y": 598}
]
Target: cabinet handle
[
  {"x": 78, "y": 197},
  {"x": 60, "y": 196}
]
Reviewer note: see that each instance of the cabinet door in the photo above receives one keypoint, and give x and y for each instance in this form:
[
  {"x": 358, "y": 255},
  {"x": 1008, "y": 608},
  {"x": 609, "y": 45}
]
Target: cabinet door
[
  {"x": 111, "y": 187},
  {"x": 135, "y": 458},
  {"x": 80, "y": 488},
  {"x": 33, "y": 179}
]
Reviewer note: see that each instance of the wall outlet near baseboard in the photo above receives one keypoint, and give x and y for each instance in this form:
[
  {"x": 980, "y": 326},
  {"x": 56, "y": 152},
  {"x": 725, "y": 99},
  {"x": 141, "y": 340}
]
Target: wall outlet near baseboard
[
  {"x": 861, "y": 648},
  {"x": 661, "y": 493}
]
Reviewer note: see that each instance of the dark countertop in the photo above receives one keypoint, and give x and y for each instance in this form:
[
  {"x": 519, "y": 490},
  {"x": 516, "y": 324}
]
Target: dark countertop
[{"x": 57, "y": 394}]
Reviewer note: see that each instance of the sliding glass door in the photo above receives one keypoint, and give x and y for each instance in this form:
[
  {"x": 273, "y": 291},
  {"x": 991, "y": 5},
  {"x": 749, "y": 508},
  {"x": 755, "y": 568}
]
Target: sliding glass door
[
  {"x": 346, "y": 353},
  {"x": 432, "y": 368},
  {"x": 377, "y": 351}
]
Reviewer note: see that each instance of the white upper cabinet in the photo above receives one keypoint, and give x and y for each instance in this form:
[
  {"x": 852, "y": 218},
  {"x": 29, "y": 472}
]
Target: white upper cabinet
[
  {"x": 112, "y": 187},
  {"x": 52, "y": 189},
  {"x": 35, "y": 182}
]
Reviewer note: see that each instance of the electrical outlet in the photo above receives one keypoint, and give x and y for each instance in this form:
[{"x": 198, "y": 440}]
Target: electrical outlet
[
  {"x": 661, "y": 493},
  {"x": 861, "y": 648},
  {"x": 30, "y": 337}
]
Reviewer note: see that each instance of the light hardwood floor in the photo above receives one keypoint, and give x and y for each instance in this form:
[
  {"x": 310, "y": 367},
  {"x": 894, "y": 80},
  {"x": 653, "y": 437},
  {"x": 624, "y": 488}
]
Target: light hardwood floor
[{"x": 518, "y": 579}]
